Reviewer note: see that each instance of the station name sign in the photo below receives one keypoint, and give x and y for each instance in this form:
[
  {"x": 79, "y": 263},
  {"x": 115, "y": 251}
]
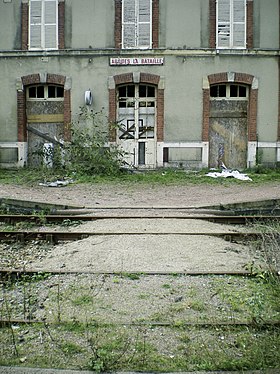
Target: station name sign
[{"x": 136, "y": 61}]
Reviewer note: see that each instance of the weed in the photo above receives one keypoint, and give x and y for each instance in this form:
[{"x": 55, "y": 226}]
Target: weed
[
  {"x": 166, "y": 286},
  {"x": 82, "y": 300},
  {"x": 70, "y": 348},
  {"x": 132, "y": 276},
  {"x": 144, "y": 296},
  {"x": 197, "y": 305}
]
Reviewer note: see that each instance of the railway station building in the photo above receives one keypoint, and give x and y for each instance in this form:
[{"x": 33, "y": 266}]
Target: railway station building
[{"x": 191, "y": 83}]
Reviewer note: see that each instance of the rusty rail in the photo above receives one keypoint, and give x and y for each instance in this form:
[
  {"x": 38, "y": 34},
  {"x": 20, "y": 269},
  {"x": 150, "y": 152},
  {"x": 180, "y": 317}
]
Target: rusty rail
[
  {"x": 56, "y": 236},
  {"x": 17, "y": 273},
  {"x": 255, "y": 324},
  {"x": 226, "y": 219}
]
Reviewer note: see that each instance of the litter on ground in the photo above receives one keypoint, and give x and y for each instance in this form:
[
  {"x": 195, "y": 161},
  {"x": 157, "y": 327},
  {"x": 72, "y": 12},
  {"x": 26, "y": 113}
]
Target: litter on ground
[{"x": 226, "y": 173}]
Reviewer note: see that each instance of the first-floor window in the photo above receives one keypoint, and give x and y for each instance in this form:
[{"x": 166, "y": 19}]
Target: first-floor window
[
  {"x": 231, "y": 24},
  {"x": 43, "y": 24}
]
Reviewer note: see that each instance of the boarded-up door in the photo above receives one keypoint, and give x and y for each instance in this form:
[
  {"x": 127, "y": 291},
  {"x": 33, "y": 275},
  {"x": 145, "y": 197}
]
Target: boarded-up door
[
  {"x": 228, "y": 133},
  {"x": 45, "y": 123}
]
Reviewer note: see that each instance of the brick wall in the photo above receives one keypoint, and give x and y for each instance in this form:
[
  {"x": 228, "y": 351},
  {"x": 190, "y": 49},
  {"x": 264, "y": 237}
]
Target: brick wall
[
  {"x": 112, "y": 115},
  {"x": 149, "y": 78},
  {"x": 160, "y": 115},
  {"x": 118, "y": 24},
  {"x": 24, "y": 26},
  {"x": 30, "y": 79},
  {"x": 61, "y": 23},
  {"x": 56, "y": 79},
  {"x": 250, "y": 25},
  {"x": 155, "y": 24},
  {"x": 252, "y": 116},
  {"x": 21, "y": 116},
  {"x": 205, "y": 115},
  {"x": 67, "y": 115}
]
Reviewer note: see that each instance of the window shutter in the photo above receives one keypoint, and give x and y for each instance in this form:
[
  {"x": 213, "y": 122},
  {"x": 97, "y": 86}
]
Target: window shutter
[
  {"x": 50, "y": 13},
  {"x": 136, "y": 27},
  {"x": 129, "y": 23},
  {"x": 144, "y": 23},
  {"x": 239, "y": 18},
  {"x": 35, "y": 24},
  {"x": 223, "y": 23}
]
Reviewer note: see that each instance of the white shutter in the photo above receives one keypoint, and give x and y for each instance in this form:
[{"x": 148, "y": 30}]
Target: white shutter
[
  {"x": 223, "y": 23},
  {"x": 231, "y": 24},
  {"x": 129, "y": 23},
  {"x": 50, "y": 24},
  {"x": 239, "y": 23},
  {"x": 137, "y": 21},
  {"x": 35, "y": 24},
  {"x": 144, "y": 23},
  {"x": 144, "y": 11},
  {"x": 144, "y": 38}
]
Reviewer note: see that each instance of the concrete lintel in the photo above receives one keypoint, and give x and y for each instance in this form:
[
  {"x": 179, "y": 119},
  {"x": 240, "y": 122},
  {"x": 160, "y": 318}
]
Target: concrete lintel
[
  {"x": 231, "y": 76},
  {"x": 136, "y": 77},
  {"x": 43, "y": 77}
]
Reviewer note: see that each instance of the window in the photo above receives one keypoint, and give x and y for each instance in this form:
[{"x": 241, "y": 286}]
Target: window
[
  {"x": 229, "y": 91},
  {"x": 137, "y": 24},
  {"x": 231, "y": 24},
  {"x": 43, "y": 24},
  {"x": 45, "y": 92}
]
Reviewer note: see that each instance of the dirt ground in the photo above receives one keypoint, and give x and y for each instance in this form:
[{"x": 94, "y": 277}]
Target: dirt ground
[{"x": 133, "y": 195}]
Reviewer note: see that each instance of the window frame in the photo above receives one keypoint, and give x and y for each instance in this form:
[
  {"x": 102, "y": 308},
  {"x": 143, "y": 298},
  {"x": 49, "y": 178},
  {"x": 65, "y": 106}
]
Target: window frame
[
  {"x": 46, "y": 92},
  {"x": 43, "y": 24},
  {"x": 228, "y": 93},
  {"x": 137, "y": 23},
  {"x": 231, "y": 25}
]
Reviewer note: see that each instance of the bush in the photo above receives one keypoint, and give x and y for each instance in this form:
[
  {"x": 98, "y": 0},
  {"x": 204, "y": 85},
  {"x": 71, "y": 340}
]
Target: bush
[{"x": 89, "y": 151}]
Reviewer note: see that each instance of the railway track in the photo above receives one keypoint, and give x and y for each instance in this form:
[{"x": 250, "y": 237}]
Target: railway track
[
  {"x": 38, "y": 302},
  {"x": 224, "y": 219},
  {"x": 57, "y": 236}
]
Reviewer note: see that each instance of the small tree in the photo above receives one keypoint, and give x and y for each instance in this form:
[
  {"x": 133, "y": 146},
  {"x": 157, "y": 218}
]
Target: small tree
[{"x": 89, "y": 151}]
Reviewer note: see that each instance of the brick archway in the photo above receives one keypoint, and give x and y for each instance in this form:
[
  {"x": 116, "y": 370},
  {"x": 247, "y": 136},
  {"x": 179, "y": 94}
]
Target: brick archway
[
  {"x": 32, "y": 79},
  {"x": 137, "y": 78},
  {"x": 239, "y": 78}
]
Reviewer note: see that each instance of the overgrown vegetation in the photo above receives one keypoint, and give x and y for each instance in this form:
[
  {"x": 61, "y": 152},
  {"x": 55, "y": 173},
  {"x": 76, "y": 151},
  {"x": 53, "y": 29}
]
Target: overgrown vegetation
[
  {"x": 153, "y": 177},
  {"x": 82, "y": 328},
  {"x": 89, "y": 152}
]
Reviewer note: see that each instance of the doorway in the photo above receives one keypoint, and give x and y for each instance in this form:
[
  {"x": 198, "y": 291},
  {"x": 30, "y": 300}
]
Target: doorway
[
  {"x": 45, "y": 122},
  {"x": 228, "y": 130},
  {"x": 136, "y": 116}
]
